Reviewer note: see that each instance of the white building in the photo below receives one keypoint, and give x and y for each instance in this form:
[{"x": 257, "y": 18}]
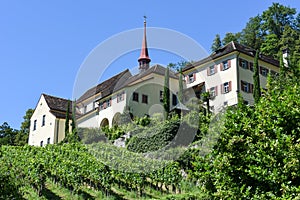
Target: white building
[
  {"x": 224, "y": 74},
  {"x": 227, "y": 72},
  {"x": 47, "y": 124}
]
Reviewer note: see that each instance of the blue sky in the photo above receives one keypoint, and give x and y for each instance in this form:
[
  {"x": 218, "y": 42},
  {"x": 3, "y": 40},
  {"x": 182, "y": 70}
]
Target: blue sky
[{"x": 44, "y": 43}]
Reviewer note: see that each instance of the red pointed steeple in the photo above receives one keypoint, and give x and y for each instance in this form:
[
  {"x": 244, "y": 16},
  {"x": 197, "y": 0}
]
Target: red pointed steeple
[{"x": 144, "y": 59}]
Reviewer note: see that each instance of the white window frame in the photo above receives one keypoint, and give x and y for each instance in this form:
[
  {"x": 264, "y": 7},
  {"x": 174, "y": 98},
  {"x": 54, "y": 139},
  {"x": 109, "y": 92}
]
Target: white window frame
[
  {"x": 212, "y": 92},
  {"x": 212, "y": 70},
  {"x": 226, "y": 87}
]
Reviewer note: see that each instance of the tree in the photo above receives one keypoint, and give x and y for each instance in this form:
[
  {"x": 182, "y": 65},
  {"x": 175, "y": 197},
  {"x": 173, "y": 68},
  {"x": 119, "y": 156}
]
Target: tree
[
  {"x": 67, "y": 122},
  {"x": 166, "y": 93},
  {"x": 257, "y": 155},
  {"x": 277, "y": 17},
  {"x": 271, "y": 46},
  {"x": 229, "y": 37},
  {"x": 23, "y": 134},
  {"x": 216, "y": 43},
  {"x": 256, "y": 92},
  {"x": 180, "y": 92},
  {"x": 7, "y": 134},
  {"x": 73, "y": 123},
  {"x": 252, "y": 35}
]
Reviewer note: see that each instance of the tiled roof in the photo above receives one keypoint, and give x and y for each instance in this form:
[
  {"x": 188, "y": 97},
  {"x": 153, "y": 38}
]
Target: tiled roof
[
  {"x": 231, "y": 47},
  {"x": 58, "y": 106},
  {"x": 156, "y": 69},
  {"x": 106, "y": 87}
]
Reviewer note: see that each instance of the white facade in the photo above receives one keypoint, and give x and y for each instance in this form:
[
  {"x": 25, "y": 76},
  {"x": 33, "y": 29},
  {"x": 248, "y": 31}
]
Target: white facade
[
  {"x": 45, "y": 127},
  {"x": 147, "y": 89},
  {"x": 226, "y": 76}
]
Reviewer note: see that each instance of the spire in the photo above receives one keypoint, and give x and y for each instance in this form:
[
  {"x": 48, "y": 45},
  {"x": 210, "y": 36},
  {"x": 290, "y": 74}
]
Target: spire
[{"x": 144, "y": 58}]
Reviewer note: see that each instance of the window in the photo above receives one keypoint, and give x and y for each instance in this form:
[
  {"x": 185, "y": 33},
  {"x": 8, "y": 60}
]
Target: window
[
  {"x": 264, "y": 71},
  {"x": 145, "y": 99},
  {"x": 43, "y": 120},
  {"x": 251, "y": 66},
  {"x": 101, "y": 106},
  {"x": 34, "y": 125},
  {"x": 41, "y": 143},
  {"x": 48, "y": 141},
  {"x": 105, "y": 104},
  {"x": 161, "y": 96},
  {"x": 108, "y": 102},
  {"x": 135, "y": 97},
  {"x": 246, "y": 87},
  {"x": 191, "y": 78},
  {"x": 225, "y": 65},
  {"x": 120, "y": 97},
  {"x": 213, "y": 91},
  {"x": 174, "y": 100},
  {"x": 226, "y": 87},
  {"x": 243, "y": 63},
  {"x": 225, "y": 103},
  {"x": 212, "y": 70},
  {"x": 84, "y": 109}
]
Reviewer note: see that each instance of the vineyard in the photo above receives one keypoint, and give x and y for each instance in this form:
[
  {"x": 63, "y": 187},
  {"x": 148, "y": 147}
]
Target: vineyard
[{"x": 76, "y": 166}]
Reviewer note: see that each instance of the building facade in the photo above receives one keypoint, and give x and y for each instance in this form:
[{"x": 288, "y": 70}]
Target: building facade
[
  {"x": 47, "y": 124},
  {"x": 227, "y": 72}
]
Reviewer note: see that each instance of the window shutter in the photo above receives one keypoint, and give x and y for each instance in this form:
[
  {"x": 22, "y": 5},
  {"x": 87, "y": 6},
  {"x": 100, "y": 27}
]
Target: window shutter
[
  {"x": 242, "y": 88},
  {"x": 222, "y": 88},
  {"x": 221, "y": 67},
  {"x": 187, "y": 79},
  {"x": 194, "y": 76},
  {"x": 229, "y": 63},
  {"x": 104, "y": 105},
  {"x": 260, "y": 69},
  {"x": 216, "y": 68},
  {"x": 208, "y": 71},
  {"x": 251, "y": 88},
  {"x": 230, "y": 85},
  {"x": 216, "y": 90}
]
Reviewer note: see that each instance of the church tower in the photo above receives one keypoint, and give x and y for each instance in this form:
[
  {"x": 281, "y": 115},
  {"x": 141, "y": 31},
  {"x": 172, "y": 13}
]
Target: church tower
[{"x": 144, "y": 59}]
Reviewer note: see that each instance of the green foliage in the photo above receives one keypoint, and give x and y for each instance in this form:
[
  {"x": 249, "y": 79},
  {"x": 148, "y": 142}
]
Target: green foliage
[
  {"x": 91, "y": 135},
  {"x": 73, "y": 123},
  {"x": 256, "y": 92},
  {"x": 180, "y": 82},
  {"x": 216, "y": 43},
  {"x": 272, "y": 31},
  {"x": 166, "y": 93},
  {"x": 252, "y": 35},
  {"x": 67, "y": 122},
  {"x": 142, "y": 121},
  {"x": 154, "y": 137},
  {"x": 7, "y": 134},
  {"x": 257, "y": 154},
  {"x": 270, "y": 46},
  {"x": 276, "y": 17},
  {"x": 229, "y": 37},
  {"x": 112, "y": 133}
]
